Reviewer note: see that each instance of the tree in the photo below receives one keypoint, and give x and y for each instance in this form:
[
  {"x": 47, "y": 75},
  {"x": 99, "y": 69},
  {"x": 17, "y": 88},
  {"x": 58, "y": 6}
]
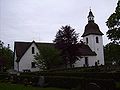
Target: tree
[
  {"x": 48, "y": 57},
  {"x": 7, "y": 54},
  {"x": 113, "y": 24},
  {"x": 40, "y": 62},
  {"x": 66, "y": 42},
  {"x": 112, "y": 53}
]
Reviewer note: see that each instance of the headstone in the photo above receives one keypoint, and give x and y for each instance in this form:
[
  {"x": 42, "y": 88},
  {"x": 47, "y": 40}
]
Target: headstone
[
  {"x": 93, "y": 86},
  {"x": 41, "y": 81}
]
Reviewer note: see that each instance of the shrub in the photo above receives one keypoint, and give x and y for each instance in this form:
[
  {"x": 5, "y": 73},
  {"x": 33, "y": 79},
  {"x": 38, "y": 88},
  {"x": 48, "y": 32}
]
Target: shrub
[
  {"x": 63, "y": 82},
  {"x": 3, "y": 77}
]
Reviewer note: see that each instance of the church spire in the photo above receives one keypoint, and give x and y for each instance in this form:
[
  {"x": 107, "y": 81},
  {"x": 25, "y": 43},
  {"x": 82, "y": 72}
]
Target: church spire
[{"x": 90, "y": 16}]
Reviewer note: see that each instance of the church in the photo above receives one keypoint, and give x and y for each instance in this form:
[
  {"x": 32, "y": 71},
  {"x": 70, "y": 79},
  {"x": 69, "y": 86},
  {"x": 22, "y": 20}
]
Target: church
[
  {"x": 92, "y": 37},
  {"x": 91, "y": 49}
]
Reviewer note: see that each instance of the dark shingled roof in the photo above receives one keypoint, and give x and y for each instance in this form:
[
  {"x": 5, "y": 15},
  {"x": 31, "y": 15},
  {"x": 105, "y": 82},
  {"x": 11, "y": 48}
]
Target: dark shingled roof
[
  {"x": 92, "y": 28},
  {"x": 85, "y": 50},
  {"x": 21, "y": 47},
  {"x": 90, "y": 14}
]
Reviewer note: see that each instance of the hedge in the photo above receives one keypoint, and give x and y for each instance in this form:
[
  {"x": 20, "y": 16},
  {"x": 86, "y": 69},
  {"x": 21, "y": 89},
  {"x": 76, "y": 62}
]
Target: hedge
[
  {"x": 66, "y": 80},
  {"x": 98, "y": 75},
  {"x": 3, "y": 76}
]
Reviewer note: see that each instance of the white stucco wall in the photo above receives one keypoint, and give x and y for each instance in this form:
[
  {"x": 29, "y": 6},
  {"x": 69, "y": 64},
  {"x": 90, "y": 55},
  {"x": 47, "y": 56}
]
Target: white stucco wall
[
  {"x": 27, "y": 58},
  {"x": 15, "y": 63},
  {"x": 81, "y": 62},
  {"x": 97, "y": 47}
]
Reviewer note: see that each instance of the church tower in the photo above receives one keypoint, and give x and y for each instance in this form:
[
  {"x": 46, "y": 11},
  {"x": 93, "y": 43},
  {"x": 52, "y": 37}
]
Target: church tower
[{"x": 92, "y": 36}]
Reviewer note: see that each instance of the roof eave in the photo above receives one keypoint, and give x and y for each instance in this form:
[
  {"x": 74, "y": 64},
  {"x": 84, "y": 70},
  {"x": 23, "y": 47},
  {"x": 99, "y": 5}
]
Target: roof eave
[{"x": 91, "y": 34}]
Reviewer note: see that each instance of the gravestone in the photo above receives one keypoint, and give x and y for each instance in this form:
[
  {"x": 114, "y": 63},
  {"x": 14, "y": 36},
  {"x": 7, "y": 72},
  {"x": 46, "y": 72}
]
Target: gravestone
[
  {"x": 93, "y": 86},
  {"x": 41, "y": 81}
]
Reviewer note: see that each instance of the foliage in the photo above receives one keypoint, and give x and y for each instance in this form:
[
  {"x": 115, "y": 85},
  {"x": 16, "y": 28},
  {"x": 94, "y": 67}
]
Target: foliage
[
  {"x": 112, "y": 53},
  {"x": 40, "y": 62},
  {"x": 63, "y": 82},
  {"x": 113, "y": 24},
  {"x": 8, "y": 86},
  {"x": 66, "y": 42},
  {"x": 48, "y": 57},
  {"x": 3, "y": 76},
  {"x": 118, "y": 85},
  {"x": 82, "y": 83},
  {"x": 66, "y": 79},
  {"x": 7, "y": 54}
]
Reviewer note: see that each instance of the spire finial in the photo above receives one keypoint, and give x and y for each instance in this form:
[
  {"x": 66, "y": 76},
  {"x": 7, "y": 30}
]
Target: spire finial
[
  {"x": 90, "y": 16},
  {"x": 90, "y": 8}
]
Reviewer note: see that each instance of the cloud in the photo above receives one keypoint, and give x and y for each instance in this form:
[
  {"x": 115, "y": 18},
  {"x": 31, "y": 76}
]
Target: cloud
[{"x": 40, "y": 19}]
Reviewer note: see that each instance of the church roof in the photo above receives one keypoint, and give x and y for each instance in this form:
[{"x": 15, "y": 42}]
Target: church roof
[
  {"x": 85, "y": 50},
  {"x": 90, "y": 14},
  {"x": 92, "y": 28},
  {"x": 21, "y": 47}
]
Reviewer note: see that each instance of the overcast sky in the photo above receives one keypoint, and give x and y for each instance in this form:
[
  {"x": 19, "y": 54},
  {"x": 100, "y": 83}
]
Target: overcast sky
[{"x": 39, "y": 20}]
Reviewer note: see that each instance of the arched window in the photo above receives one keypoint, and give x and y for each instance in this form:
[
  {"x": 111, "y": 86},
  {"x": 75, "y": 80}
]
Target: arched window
[
  {"x": 86, "y": 40},
  {"x": 33, "y": 65},
  {"x": 97, "y": 40},
  {"x": 33, "y": 50}
]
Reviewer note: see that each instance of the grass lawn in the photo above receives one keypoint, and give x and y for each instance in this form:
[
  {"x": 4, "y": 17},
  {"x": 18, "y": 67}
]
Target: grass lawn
[{"x": 7, "y": 86}]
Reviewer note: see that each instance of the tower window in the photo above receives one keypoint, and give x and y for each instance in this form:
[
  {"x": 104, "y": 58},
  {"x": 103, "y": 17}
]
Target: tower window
[
  {"x": 33, "y": 50},
  {"x": 97, "y": 40},
  {"x": 86, "y": 40}
]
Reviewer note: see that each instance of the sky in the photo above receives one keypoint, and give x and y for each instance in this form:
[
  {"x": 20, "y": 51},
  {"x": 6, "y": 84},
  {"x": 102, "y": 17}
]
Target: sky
[{"x": 39, "y": 20}]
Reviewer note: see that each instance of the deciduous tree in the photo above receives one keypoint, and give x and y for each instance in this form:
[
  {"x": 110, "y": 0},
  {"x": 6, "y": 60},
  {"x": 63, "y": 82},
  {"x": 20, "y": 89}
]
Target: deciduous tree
[
  {"x": 48, "y": 58},
  {"x": 113, "y": 24},
  {"x": 112, "y": 53}
]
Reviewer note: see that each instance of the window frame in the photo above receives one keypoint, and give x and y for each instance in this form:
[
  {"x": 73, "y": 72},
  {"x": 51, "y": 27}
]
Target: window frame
[
  {"x": 87, "y": 40},
  {"x": 33, "y": 65},
  {"x": 97, "y": 40},
  {"x": 33, "y": 50}
]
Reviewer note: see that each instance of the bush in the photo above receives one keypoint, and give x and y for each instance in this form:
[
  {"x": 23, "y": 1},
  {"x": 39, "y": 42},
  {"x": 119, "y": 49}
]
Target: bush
[
  {"x": 65, "y": 79},
  {"x": 63, "y": 82},
  {"x": 79, "y": 83},
  {"x": 3, "y": 77}
]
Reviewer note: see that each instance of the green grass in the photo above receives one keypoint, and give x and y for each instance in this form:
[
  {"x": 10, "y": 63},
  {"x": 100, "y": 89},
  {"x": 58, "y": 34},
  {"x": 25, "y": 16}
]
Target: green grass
[
  {"x": 7, "y": 86},
  {"x": 118, "y": 85}
]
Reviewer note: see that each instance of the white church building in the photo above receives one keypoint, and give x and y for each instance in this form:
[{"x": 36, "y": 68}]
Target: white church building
[
  {"x": 92, "y": 37},
  {"x": 91, "y": 49}
]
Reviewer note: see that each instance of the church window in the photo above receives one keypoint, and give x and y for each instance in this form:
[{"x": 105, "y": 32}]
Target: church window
[
  {"x": 86, "y": 40},
  {"x": 33, "y": 65},
  {"x": 33, "y": 50},
  {"x": 97, "y": 40},
  {"x": 86, "y": 62}
]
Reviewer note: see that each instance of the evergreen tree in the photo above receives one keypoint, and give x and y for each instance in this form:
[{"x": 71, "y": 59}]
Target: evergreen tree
[{"x": 67, "y": 42}]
